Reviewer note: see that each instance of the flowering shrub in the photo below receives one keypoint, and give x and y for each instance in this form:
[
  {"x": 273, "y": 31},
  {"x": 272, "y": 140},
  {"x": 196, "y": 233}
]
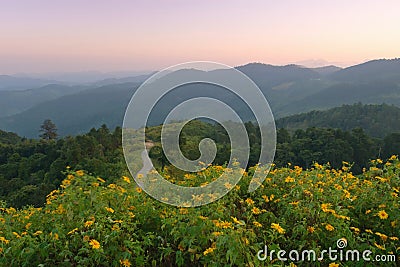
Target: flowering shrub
[{"x": 90, "y": 222}]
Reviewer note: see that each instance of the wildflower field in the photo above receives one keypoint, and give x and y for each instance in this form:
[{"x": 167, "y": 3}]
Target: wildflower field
[{"x": 92, "y": 222}]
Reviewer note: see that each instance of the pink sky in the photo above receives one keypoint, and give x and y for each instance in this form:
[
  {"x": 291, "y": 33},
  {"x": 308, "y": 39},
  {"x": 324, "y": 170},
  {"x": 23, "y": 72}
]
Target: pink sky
[{"x": 48, "y": 35}]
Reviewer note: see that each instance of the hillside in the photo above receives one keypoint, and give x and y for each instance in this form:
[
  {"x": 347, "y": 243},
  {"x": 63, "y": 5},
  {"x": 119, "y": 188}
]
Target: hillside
[
  {"x": 387, "y": 70},
  {"x": 289, "y": 90},
  {"x": 376, "y": 120},
  {"x": 90, "y": 221},
  {"x": 17, "y": 101},
  {"x": 74, "y": 114},
  {"x": 9, "y": 138}
]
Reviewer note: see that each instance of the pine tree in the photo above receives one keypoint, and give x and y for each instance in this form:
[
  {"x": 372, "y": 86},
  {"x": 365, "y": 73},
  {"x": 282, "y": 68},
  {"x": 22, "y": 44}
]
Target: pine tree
[{"x": 48, "y": 130}]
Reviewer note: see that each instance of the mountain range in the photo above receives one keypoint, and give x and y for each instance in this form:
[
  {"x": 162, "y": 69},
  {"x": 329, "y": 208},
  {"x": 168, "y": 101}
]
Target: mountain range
[{"x": 290, "y": 89}]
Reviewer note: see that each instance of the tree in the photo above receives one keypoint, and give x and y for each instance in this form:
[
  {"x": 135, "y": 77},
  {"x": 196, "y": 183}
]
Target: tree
[{"x": 48, "y": 130}]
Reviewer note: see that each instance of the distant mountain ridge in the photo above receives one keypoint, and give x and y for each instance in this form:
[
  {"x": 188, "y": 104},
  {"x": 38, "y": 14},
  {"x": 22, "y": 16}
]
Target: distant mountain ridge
[
  {"x": 16, "y": 101},
  {"x": 8, "y": 82},
  {"x": 387, "y": 70},
  {"x": 289, "y": 89}
]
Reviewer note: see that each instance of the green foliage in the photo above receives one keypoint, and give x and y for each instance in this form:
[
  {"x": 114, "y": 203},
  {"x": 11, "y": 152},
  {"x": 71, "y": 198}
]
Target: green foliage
[
  {"x": 34, "y": 167},
  {"x": 30, "y": 169},
  {"x": 91, "y": 222},
  {"x": 48, "y": 130},
  {"x": 375, "y": 120},
  {"x": 9, "y": 138}
]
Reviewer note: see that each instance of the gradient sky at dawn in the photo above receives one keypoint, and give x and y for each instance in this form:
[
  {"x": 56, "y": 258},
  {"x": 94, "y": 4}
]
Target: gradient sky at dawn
[{"x": 51, "y": 36}]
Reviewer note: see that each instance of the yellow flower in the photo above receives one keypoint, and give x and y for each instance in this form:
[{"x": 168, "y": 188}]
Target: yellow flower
[
  {"x": 235, "y": 220},
  {"x": 278, "y": 228},
  {"x": 88, "y": 223},
  {"x": 332, "y": 264},
  {"x": 289, "y": 179},
  {"x": 379, "y": 246},
  {"x": 255, "y": 210},
  {"x": 55, "y": 236},
  {"x": 37, "y": 233},
  {"x": 109, "y": 209},
  {"x": 325, "y": 207},
  {"x": 183, "y": 211},
  {"x": 338, "y": 187},
  {"x": 126, "y": 179},
  {"x": 329, "y": 227},
  {"x": 95, "y": 244},
  {"x": 224, "y": 224},
  {"x": 72, "y": 231},
  {"x": 394, "y": 238},
  {"x": 355, "y": 229},
  {"x": 341, "y": 216},
  {"x": 346, "y": 193},
  {"x": 245, "y": 240},
  {"x": 66, "y": 182},
  {"x": 2, "y": 239},
  {"x": 112, "y": 186},
  {"x": 210, "y": 249},
  {"x": 228, "y": 185},
  {"x": 100, "y": 180},
  {"x": 257, "y": 224},
  {"x": 80, "y": 173},
  {"x": 138, "y": 189},
  {"x": 125, "y": 262},
  {"x": 367, "y": 211},
  {"x": 16, "y": 235},
  {"x": 198, "y": 197},
  {"x": 28, "y": 225},
  {"x": 294, "y": 203},
  {"x": 310, "y": 229},
  {"x": 368, "y": 231},
  {"x": 382, "y": 236},
  {"x": 86, "y": 238},
  {"x": 217, "y": 233},
  {"x": 249, "y": 201},
  {"x": 383, "y": 215}
]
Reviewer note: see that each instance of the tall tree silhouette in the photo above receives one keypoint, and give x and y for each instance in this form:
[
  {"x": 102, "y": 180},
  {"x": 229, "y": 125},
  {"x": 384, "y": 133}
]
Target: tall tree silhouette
[{"x": 48, "y": 130}]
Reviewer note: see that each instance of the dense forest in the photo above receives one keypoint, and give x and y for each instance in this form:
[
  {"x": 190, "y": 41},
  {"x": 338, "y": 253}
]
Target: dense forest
[
  {"x": 376, "y": 120},
  {"x": 31, "y": 168}
]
